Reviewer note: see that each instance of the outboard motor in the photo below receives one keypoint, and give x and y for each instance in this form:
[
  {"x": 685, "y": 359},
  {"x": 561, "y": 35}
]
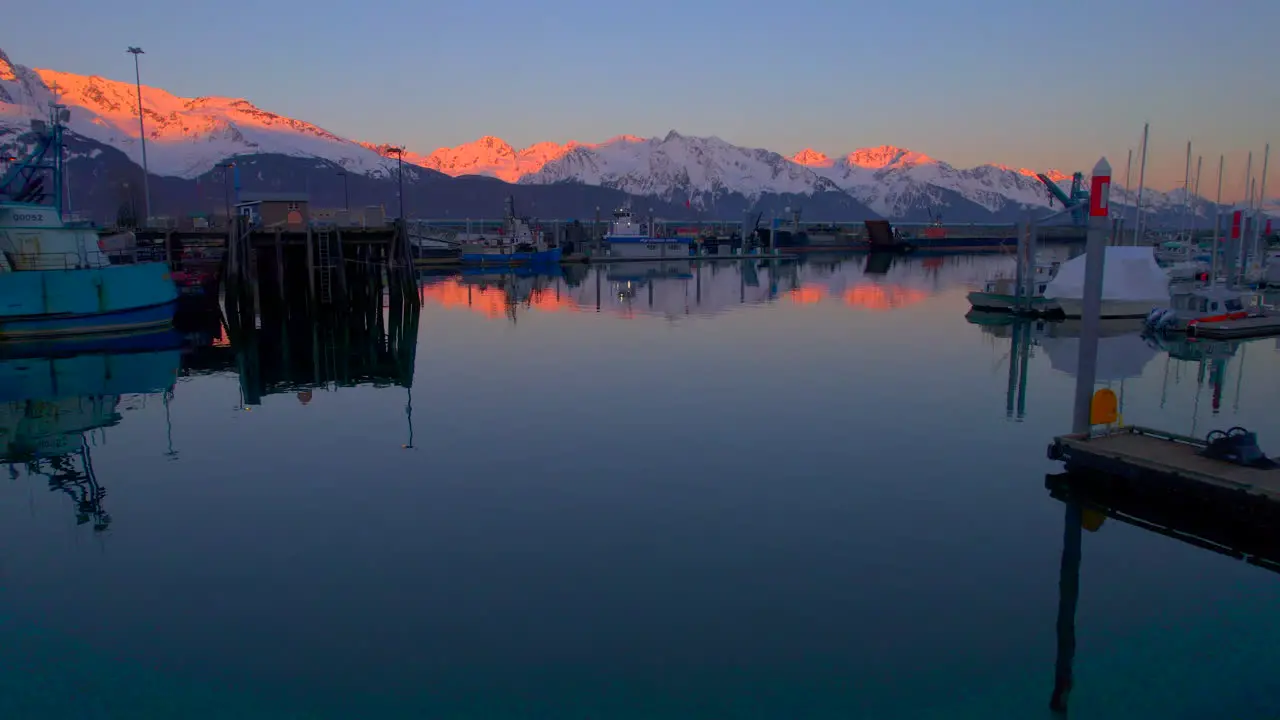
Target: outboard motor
[
  {"x": 1237, "y": 446},
  {"x": 1167, "y": 319}
]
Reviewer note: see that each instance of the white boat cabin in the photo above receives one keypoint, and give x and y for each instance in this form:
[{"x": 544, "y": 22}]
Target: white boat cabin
[
  {"x": 632, "y": 239},
  {"x": 1040, "y": 277},
  {"x": 34, "y": 237}
]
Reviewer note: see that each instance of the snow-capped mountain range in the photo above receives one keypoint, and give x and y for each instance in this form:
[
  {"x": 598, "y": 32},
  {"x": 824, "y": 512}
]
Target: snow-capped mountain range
[{"x": 187, "y": 137}]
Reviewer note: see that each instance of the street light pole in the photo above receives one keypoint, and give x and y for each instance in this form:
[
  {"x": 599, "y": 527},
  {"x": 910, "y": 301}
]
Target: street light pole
[
  {"x": 226, "y": 193},
  {"x": 346, "y": 195},
  {"x": 142, "y": 134},
  {"x": 399, "y": 153}
]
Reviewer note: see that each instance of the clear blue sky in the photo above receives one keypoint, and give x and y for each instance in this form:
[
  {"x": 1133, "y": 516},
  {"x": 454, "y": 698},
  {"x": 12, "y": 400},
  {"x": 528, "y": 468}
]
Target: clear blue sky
[{"x": 1023, "y": 82}]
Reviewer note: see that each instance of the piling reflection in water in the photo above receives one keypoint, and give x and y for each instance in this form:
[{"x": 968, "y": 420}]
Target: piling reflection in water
[
  {"x": 1242, "y": 528},
  {"x": 1124, "y": 355},
  {"x": 684, "y": 288},
  {"x": 298, "y": 347}
]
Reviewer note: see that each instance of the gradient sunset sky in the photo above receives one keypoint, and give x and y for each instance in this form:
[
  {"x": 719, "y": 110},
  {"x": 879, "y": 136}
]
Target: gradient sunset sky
[{"x": 1023, "y": 83}]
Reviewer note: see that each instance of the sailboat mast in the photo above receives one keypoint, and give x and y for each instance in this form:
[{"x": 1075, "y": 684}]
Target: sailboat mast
[
  {"x": 1217, "y": 224},
  {"x": 1186, "y": 191},
  {"x": 1128, "y": 168},
  {"x": 1195, "y": 215},
  {"x": 1244, "y": 214},
  {"x": 1142, "y": 177},
  {"x": 1261, "y": 212}
]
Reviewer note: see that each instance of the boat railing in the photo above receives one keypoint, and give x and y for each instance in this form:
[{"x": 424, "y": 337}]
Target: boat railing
[{"x": 48, "y": 261}]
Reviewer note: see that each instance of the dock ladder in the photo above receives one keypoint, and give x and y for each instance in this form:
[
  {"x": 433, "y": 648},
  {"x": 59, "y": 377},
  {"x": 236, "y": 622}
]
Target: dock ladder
[{"x": 324, "y": 265}]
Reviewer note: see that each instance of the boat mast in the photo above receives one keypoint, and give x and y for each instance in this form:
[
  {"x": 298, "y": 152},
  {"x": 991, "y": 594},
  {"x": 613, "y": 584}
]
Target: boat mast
[
  {"x": 1261, "y": 212},
  {"x": 1195, "y": 216},
  {"x": 1186, "y": 192},
  {"x": 1238, "y": 270},
  {"x": 1119, "y": 229},
  {"x": 1217, "y": 223},
  {"x": 55, "y": 146},
  {"x": 1142, "y": 176}
]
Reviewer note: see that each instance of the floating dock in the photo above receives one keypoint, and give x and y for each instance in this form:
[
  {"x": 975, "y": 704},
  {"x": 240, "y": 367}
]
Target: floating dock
[
  {"x": 1253, "y": 327},
  {"x": 1163, "y": 461}
]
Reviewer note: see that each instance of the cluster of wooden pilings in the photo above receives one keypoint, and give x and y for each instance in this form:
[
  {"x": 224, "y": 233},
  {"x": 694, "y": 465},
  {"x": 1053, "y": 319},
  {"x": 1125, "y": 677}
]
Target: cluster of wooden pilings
[
  {"x": 319, "y": 269},
  {"x": 320, "y": 307}
]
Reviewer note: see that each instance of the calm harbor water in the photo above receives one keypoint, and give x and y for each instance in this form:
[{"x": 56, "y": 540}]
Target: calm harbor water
[{"x": 732, "y": 491}]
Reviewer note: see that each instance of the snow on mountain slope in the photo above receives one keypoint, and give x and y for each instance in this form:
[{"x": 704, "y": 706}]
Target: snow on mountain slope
[
  {"x": 890, "y": 179},
  {"x": 677, "y": 167},
  {"x": 492, "y": 156},
  {"x": 185, "y": 136},
  {"x": 188, "y": 136}
]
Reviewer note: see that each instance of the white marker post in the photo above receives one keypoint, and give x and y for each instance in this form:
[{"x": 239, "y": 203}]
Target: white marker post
[{"x": 1091, "y": 303}]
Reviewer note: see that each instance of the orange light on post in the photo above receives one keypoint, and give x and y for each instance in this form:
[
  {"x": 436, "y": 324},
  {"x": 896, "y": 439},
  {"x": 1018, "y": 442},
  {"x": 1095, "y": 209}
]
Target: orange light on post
[{"x": 1105, "y": 408}]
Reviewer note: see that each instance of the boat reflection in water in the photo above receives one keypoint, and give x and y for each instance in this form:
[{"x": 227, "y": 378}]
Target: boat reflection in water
[
  {"x": 53, "y": 410},
  {"x": 683, "y": 288}
]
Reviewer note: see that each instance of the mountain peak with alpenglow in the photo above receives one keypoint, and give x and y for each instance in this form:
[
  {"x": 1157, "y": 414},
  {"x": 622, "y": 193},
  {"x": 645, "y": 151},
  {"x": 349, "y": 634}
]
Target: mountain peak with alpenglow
[
  {"x": 811, "y": 158},
  {"x": 6, "y": 68},
  {"x": 885, "y": 156}
]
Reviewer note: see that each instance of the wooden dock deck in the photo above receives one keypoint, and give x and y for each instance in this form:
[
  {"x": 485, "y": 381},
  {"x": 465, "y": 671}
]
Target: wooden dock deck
[
  {"x": 1237, "y": 329},
  {"x": 1167, "y": 459}
]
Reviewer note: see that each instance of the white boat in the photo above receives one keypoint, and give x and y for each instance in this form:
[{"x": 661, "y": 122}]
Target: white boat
[
  {"x": 1202, "y": 305},
  {"x": 1000, "y": 293},
  {"x": 628, "y": 238},
  {"x": 1132, "y": 284},
  {"x": 1178, "y": 251},
  {"x": 1187, "y": 270},
  {"x": 1271, "y": 278}
]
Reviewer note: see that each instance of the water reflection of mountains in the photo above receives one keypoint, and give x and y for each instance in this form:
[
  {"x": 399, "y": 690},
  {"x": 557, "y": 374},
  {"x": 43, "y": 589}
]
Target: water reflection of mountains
[{"x": 678, "y": 288}]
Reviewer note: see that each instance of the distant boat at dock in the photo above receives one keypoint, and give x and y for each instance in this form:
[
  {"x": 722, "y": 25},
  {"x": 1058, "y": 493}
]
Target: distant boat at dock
[
  {"x": 1002, "y": 294},
  {"x": 55, "y": 278},
  {"x": 628, "y": 238},
  {"x": 1204, "y": 305},
  {"x": 517, "y": 244}
]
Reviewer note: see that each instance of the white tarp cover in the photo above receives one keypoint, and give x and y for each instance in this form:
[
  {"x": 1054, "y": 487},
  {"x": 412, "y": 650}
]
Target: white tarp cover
[
  {"x": 1129, "y": 273},
  {"x": 1119, "y": 356}
]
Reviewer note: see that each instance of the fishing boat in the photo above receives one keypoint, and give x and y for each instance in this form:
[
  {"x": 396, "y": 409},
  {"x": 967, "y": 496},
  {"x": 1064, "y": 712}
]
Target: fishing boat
[
  {"x": 55, "y": 279},
  {"x": 516, "y": 244},
  {"x": 1202, "y": 305},
  {"x": 1001, "y": 293},
  {"x": 628, "y": 238}
]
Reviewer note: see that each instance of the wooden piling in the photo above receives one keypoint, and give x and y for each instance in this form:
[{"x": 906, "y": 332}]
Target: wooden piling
[
  {"x": 280, "y": 267},
  {"x": 311, "y": 266},
  {"x": 342, "y": 264}
]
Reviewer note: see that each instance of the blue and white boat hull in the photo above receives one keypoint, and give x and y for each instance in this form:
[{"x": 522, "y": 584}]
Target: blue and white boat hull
[
  {"x": 494, "y": 259},
  {"x": 649, "y": 247},
  {"x": 37, "y": 304}
]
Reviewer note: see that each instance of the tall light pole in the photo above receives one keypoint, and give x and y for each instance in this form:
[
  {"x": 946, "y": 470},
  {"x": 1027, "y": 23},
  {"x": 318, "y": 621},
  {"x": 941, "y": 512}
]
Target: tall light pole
[
  {"x": 346, "y": 195},
  {"x": 142, "y": 135},
  {"x": 399, "y": 153},
  {"x": 226, "y": 194}
]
